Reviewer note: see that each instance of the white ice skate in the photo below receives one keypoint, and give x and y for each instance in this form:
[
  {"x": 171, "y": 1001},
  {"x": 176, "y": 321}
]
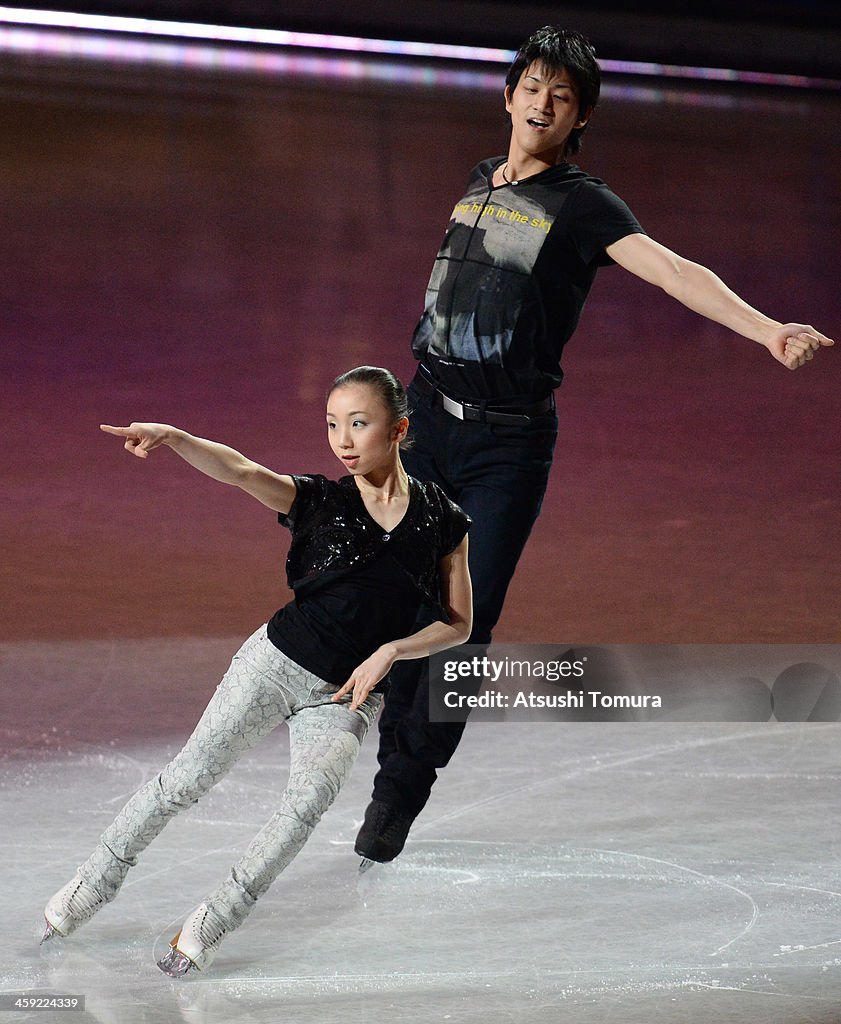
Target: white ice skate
[
  {"x": 71, "y": 906},
  {"x": 195, "y": 946}
]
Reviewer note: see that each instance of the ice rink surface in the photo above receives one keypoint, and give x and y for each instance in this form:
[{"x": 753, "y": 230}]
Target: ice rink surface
[{"x": 636, "y": 872}]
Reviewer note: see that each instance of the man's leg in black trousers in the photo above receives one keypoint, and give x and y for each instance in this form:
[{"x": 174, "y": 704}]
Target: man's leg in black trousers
[
  {"x": 498, "y": 475},
  {"x": 412, "y": 748},
  {"x": 401, "y": 775}
]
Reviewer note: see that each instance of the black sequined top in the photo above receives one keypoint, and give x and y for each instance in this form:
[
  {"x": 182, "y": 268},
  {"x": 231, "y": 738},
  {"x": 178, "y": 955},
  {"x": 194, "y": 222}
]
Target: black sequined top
[
  {"x": 356, "y": 585},
  {"x": 333, "y": 532}
]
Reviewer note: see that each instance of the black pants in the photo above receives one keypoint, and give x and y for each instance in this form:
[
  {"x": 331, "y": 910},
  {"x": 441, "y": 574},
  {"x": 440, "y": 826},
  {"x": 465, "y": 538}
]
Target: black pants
[{"x": 498, "y": 475}]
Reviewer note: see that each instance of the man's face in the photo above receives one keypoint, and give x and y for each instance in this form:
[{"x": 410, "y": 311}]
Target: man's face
[{"x": 544, "y": 110}]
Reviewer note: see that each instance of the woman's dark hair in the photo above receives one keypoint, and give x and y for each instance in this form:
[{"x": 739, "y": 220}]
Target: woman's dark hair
[
  {"x": 389, "y": 389},
  {"x": 558, "y": 49}
]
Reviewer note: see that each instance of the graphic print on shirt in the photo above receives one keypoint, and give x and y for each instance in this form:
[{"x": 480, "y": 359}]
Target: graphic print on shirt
[
  {"x": 511, "y": 279},
  {"x": 478, "y": 282}
]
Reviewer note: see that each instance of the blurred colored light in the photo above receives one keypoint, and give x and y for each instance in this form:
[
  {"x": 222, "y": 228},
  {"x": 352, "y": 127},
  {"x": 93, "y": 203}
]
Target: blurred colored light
[{"x": 81, "y": 35}]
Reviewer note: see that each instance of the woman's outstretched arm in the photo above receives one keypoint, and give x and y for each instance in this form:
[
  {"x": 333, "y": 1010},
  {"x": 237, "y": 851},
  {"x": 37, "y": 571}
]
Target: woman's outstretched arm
[{"x": 215, "y": 460}]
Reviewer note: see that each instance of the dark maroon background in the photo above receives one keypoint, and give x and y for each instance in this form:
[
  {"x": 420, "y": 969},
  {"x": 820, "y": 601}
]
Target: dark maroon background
[{"x": 211, "y": 251}]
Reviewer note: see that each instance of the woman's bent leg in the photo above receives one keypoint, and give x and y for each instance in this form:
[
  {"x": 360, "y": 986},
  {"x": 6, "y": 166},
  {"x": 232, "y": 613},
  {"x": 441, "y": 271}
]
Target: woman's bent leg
[
  {"x": 324, "y": 744},
  {"x": 248, "y": 704}
]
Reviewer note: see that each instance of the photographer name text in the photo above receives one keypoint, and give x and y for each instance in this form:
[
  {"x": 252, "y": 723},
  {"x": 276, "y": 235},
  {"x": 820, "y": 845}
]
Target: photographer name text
[{"x": 570, "y": 699}]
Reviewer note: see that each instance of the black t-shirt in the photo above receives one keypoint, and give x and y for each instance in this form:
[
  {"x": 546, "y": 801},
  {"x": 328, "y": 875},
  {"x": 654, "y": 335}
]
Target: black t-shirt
[
  {"x": 511, "y": 278},
  {"x": 339, "y": 622},
  {"x": 357, "y": 586}
]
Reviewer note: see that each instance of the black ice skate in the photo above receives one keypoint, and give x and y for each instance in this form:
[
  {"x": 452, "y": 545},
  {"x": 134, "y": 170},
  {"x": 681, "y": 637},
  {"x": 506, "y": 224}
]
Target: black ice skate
[{"x": 383, "y": 833}]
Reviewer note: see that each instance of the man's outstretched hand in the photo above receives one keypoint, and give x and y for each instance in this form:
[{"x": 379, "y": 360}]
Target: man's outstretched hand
[{"x": 795, "y": 344}]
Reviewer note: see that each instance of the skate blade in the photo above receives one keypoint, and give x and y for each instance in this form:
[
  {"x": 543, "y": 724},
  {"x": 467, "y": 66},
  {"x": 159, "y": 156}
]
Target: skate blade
[
  {"x": 175, "y": 964},
  {"x": 49, "y": 932},
  {"x": 366, "y": 864}
]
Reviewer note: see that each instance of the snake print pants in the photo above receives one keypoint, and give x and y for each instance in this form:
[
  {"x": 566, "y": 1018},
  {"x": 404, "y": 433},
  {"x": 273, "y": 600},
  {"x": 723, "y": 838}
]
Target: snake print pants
[{"x": 261, "y": 689}]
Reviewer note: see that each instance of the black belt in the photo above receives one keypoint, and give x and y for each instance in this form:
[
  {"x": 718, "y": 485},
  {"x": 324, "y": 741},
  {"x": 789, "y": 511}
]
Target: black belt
[{"x": 482, "y": 412}]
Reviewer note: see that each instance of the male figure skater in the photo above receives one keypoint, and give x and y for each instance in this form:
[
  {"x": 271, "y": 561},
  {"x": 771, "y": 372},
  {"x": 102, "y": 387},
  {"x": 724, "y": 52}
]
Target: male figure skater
[{"x": 506, "y": 292}]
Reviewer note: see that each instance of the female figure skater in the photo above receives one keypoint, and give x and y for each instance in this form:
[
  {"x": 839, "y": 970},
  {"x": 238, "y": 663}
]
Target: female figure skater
[{"x": 367, "y": 551}]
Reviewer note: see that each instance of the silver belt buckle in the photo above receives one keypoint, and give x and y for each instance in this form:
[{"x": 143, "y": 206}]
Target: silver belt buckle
[{"x": 453, "y": 408}]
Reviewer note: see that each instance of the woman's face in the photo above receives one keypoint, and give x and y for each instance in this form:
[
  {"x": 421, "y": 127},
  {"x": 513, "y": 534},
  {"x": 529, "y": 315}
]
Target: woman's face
[{"x": 361, "y": 430}]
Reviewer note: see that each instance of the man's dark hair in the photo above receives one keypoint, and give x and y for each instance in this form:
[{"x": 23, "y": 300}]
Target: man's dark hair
[{"x": 556, "y": 49}]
